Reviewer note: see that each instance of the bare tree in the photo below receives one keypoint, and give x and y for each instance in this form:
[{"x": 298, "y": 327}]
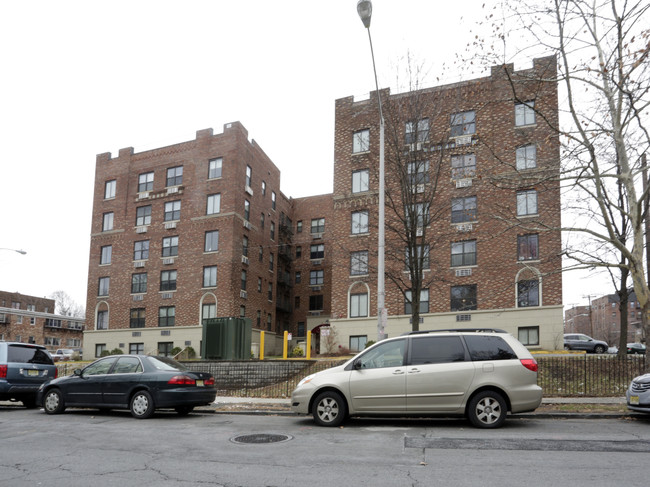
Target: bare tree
[
  {"x": 603, "y": 53},
  {"x": 66, "y": 306}
]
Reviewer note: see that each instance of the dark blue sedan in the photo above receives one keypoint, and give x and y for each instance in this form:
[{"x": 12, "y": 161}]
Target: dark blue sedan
[{"x": 140, "y": 383}]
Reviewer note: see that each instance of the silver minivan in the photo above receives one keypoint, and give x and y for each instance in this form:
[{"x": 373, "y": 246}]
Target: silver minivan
[{"x": 481, "y": 374}]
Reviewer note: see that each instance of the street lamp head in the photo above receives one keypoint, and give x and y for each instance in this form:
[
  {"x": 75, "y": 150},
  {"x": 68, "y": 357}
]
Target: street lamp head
[
  {"x": 23, "y": 252},
  {"x": 364, "y": 8}
]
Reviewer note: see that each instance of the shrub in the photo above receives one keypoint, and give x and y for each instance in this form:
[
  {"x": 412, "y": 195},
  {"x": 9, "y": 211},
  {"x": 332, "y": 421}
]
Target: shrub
[
  {"x": 115, "y": 351},
  {"x": 297, "y": 352},
  {"x": 370, "y": 342}
]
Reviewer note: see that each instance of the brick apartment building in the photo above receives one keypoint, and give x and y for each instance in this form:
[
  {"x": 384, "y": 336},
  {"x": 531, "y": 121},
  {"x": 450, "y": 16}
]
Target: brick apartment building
[
  {"x": 495, "y": 171},
  {"x": 30, "y": 319},
  {"x": 602, "y": 319},
  {"x": 201, "y": 229}
]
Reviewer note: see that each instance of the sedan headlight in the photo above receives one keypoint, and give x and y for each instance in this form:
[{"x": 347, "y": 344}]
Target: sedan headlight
[{"x": 306, "y": 380}]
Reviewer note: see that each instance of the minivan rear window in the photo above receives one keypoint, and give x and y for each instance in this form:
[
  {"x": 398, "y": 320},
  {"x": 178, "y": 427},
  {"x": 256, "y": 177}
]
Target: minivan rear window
[
  {"x": 25, "y": 354},
  {"x": 483, "y": 347}
]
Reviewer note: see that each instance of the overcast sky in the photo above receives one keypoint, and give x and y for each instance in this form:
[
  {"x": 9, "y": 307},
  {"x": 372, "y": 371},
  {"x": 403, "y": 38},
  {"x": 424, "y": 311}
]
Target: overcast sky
[{"x": 80, "y": 78}]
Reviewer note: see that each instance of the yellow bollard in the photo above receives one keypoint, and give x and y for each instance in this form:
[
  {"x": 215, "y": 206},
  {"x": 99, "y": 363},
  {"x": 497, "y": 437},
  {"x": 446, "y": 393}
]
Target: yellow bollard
[
  {"x": 284, "y": 346},
  {"x": 261, "y": 345},
  {"x": 308, "y": 351}
]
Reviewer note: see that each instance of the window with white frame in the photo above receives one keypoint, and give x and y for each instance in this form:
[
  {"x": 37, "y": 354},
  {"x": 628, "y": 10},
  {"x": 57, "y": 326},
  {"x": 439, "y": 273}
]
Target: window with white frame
[
  {"x": 167, "y": 316},
  {"x": 358, "y": 305},
  {"x": 102, "y": 320},
  {"x": 525, "y": 113},
  {"x": 424, "y": 302},
  {"x": 463, "y": 209},
  {"x": 316, "y": 277},
  {"x": 139, "y": 283},
  {"x": 317, "y": 225},
  {"x": 528, "y": 335},
  {"x": 109, "y": 189},
  {"x": 209, "y": 311},
  {"x": 141, "y": 250},
  {"x": 416, "y": 131},
  {"x": 273, "y": 198},
  {"x": 463, "y": 298},
  {"x": 106, "y": 255},
  {"x": 175, "y": 176},
  {"x": 527, "y": 293},
  {"x": 359, "y": 263},
  {"x": 247, "y": 210},
  {"x": 214, "y": 168},
  {"x": 417, "y": 172},
  {"x": 421, "y": 252},
  {"x": 214, "y": 204},
  {"x": 361, "y": 141},
  {"x": 249, "y": 176},
  {"x": 107, "y": 222},
  {"x": 143, "y": 216},
  {"x": 528, "y": 247},
  {"x": 168, "y": 280},
  {"x": 526, "y": 202},
  {"x": 359, "y": 222},
  {"x": 210, "y": 276},
  {"x": 360, "y": 181},
  {"x": 463, "y": 123},
  {"x": 463, "y": 166},
  {"x": 526, "y": 157},
  {"x": 172, "y": 210},
  {"x": 358, "y": 342},
  {"x": 463, "y": 253},
  {"x": 103, "y": 286},
  {"x": 170, "y": 246},
  {"x": 317, "y": 251},
  {"x": 145, "y": 182},
  {"x": 211, "y": 241}
]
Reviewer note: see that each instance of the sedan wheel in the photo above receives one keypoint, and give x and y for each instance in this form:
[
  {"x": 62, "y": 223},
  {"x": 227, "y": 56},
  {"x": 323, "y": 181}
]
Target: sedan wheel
[
  {"x": 53, "y": 402},
  {"x": 329, "y": 409},
  {"x": 599, "y": 349},
  {"x": 487, "y": 410},
  {"x": 142, "y": 406}
]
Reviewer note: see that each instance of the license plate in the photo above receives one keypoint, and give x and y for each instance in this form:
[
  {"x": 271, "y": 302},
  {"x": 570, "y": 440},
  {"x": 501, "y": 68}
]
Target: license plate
[
  {"x": 634, "y": 400},
  {"x": 32, "y": 372},
  {"x": 199, "y": 383}
]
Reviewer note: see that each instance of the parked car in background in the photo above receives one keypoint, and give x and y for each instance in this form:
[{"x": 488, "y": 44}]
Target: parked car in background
[
  {"x": 636, "y": 348},
  {"x": 140, "y": 383},
  {"x": 63, "y": 354},
  {"x": 638, "y": 394},
  {"x": 479, "y": 374},
  {"x": 23, "y": 368},
  {"x": 578, "y": 341}
]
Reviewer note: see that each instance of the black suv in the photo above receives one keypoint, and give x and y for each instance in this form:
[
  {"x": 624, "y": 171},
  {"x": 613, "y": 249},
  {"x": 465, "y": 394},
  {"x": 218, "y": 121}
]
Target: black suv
[{"x": 23, "y": 368}]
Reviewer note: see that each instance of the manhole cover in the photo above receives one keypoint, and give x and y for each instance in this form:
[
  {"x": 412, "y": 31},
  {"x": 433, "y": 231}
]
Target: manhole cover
[{"x": 261, "y": 438}]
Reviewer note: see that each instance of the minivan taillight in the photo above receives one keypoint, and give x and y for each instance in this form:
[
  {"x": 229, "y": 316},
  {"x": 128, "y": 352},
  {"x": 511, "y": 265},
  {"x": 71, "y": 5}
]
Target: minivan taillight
[
  {"x": 56, "y": 372},
  {"x": 3, "y": 371},
  {"x": 529, "y": 363},
  {"x": 183, "y": 380}
]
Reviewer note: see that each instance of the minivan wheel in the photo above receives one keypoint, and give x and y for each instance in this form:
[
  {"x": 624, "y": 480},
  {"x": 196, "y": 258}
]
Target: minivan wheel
[
  {"x": 53, "y": 402},
  {"x": 329, "y": 409},
  {"x": 487, "y": 409},
  {"x": 142, "y": 405},
  {"x": 599, "y": 349}
]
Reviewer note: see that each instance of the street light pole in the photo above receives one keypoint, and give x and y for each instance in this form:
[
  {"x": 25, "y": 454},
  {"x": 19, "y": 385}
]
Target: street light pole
[
  {"x": 14, "y": 250},
  {"x": 364, "y": 9}
]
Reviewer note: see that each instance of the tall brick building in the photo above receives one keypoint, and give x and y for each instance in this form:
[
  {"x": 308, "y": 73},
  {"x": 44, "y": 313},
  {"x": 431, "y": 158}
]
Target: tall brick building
[{"x": 200, "y": 229}]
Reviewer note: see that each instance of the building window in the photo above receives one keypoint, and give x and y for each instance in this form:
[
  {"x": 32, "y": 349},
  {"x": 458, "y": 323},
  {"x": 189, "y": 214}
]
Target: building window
[
  {"x": 165, "y": 349},
  {"x": 298, "y": 252},
  {"x": 416, "y": 131},
  {"x": 172, "y": 211},
  {"x": 421, "y": 252},
  {"x": 107, "y": 222},
  {"x": 358, "y": 342},
  {"x": 100, "y": 348},
  {"x": 359, "y": 222},
  {"x": 259, "y": 284},
  {"x": 358, "y": 305},
  {"x": 244, "y": 246},
  {"x": 170, "y": 246},
  {"x": 463, "y": 123},
  {"x": 529, "y": 335},
  {"x": 525, "y": 113},
  {"x": 260, "y": 254},
  {"x": 143, "y": 216},
  {"x": 269, "y": 319},
  {"x": 272, "y": 230},
  {"x": 104, "y": 284},
  {"x": 424, "y": 302},
  {"x": 262, "y": 219},
  {"x": 298, "y": 277},
  {"x": 102, "y": 320},
  {"x": 211, "y": 241},
  {"x": 168, "y": 280},
  {"x": 318, "y": 225},
  {"x": 249, "y": 176},
  {"x": 214, "y": 204},
  {"x": 421, "y": 215},
  {"x": 137, "y": 318},
  {"x": 244, "y": 278},
  {"x": 361, "y": 141},
  {"x": 259, "y": 318},
  {"x": 145, "y": 182},
  {"x": 247, "y": 210},
  {"x": 463, "y": 253},
  {"x": 526, "y": 157},
  {"x": 317, "y": 251},
  {"x": 527, "y": 293},
  {"x": 463, "y": 298},
  {"x": 271, "y": 261},
  {"x": 528, "y": 247},
  {"x": 136, "y": 348},
  {"x": 316, "y": 278},
  {"x": 360, "y": 181},
  {"x": 270, "y": 292},
  {"x": 273, "y": 200},
  {"x": 417, "y": 172},
  {"x": 214, "y": 168},
  {"x": 139, "y": 283},
  {"x": 167, "y": 316},
  {"x": 141, "y": 250},
  {"x": 463, "y": 209},
  {"x": 106, "y": 255},
  {"x": 175, "y": 176},
  {"x": 526, "y": 202},
  {"x": 210, "y": 276},
  {"x": 316, "y": 302},
  {"x": 209, "y": 311},
  {"x": 109, "y": 189},
  {"x": 359, "y": 263},
  {"x": 296, "y": 302},
  {"x": 463, "y": 166},
  {"x": 242, "y": 311},
  {"x": 263, "y": 188}
]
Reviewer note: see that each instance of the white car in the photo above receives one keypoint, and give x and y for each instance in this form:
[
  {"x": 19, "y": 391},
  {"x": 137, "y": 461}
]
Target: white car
[
  {"x": 480, "y": 374},
  {"x": 63, "y": 354}
]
